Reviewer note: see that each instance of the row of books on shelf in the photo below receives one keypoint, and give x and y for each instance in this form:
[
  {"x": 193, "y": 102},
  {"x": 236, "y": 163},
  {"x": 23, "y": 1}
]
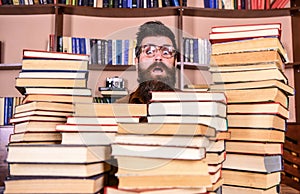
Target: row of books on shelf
[
  {"x": 7, "y": 108},
  {"x": 240, "y": 4},
  {"x": 101, "y": 51},
  {"x": 196, "y": 50}
]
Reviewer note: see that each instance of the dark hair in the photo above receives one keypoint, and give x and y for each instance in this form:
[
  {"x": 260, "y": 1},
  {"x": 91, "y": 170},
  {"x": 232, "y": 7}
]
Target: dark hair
[{"x": 153, "y": 28}]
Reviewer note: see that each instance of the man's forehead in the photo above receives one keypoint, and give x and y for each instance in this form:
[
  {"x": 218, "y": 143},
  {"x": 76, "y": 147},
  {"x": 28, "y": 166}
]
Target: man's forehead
[{"x": 157, "y": 40}]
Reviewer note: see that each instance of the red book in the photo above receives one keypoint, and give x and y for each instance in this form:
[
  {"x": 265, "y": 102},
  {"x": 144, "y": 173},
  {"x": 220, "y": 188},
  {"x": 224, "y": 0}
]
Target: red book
[{"x": 245, "y": 27}]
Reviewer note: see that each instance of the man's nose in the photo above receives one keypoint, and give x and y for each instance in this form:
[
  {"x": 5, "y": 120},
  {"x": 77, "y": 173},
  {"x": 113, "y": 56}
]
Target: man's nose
[{"x": 158, "y": 56}]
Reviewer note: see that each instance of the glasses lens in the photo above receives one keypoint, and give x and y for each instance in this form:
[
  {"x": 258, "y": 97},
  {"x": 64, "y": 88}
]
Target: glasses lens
[
  {"x": 167, "y": 51},
  {"x": 149, "y": 50}
]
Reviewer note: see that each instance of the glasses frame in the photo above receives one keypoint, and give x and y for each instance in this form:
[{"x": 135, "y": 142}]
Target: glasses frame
[{"x": 141, "y": 49}]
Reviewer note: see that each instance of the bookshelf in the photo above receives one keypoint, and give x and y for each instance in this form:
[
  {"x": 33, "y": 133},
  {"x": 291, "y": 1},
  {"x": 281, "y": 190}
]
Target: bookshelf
[{"x": 36, "y": 22}]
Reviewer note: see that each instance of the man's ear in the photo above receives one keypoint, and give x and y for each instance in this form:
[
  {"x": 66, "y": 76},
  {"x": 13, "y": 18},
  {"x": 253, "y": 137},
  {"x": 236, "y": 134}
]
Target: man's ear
[{"x": 136, "y": 60}]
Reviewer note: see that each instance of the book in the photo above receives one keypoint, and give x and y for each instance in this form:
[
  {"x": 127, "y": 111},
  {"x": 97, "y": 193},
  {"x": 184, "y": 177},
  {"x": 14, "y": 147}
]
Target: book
[
  {"x": 246, "y": 190},
  {"x": 47, "y": 74},
  {"x": 252, "y": 58},
  {"x": 23, "y": 83},
  {"x": 258, "y": 108},
  {"x": 157, "y": 151},
  {"x": 114, "y": 92},
  {"x": 135, "y": 166},
  {"x": 254, "y": 85},
  {"x": 35, "y": 137},
  {"x": 248, "y": 76},
  {"x": 101, "y": 120},
  {"x": 113, "y": 190},
  {"x": 246, "y": 67},
  {"x": 47, "y": 106},
  {"x": 55, "y": 153},
  {"x": 87, "y": 138},
  {"x": 57, "y": 98},
  {"x": 254, "y": 147},
  {"x": 245, "y": 27},
  {"x": 187, "y": 96},
  {"x": 36, "y": 126},
  {"x": 55, "y": 184},
  {"x": 166, "y": 129},
  {"x": 250, "y": 45},
  {"x": 162, "y": 140},
  {"x": 219, "y": 123},
  {"x": 86, "y": 128},
  {"x": 114, "y": 109},
  {"x": 207, "y": 108},
  {"x": 256, "y": 134},
  {"x": 164, "y": 181},
  {"x": 271, "y": 94},
  {"x": 254, "y": 163},
  {"x": 54, "y": 64},
  {"x": 256, "y": 121},
  {"x": 214, "y": 158},
  {"x": 250, "y": 179},
  {"x": 59, "y": 91},
  {"x": 28, "y": 53},
  {"x": 58, "y": 170},
  {"x": 242, "y": 35},
  {"x": 37, "y": 118},
  {"x": 42, "y": 113}
]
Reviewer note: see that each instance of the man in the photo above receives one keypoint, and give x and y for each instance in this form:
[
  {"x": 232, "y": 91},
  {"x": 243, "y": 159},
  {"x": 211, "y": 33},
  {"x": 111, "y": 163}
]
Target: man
[{"x": 156, "y": 52}]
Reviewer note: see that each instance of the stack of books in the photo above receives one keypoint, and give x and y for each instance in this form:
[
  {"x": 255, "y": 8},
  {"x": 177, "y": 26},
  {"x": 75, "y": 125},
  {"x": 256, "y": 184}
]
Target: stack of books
[
  {"x": 38, "y": 163},
  {"x": 180, "y": 147},
  {"x": 251, "y": 73}
]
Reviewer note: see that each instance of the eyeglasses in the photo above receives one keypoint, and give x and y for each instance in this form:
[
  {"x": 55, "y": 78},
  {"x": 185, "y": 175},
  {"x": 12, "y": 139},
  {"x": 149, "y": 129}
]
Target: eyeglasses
[{"x": 150, "y": 50}]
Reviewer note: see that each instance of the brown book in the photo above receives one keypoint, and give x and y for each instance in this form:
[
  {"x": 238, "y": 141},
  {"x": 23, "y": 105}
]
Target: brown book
[
  {"x": 113, "y": 190},
  {"x": 164, "y": 181},
  {"x": 48, "y": 106},
  {"x": 213, "y": 158},
  {"x": 251, "y": 179},
  {"x": 250, "y": 45},
  {"x": 247, "y": 59},
  {"x": 42, "y": 54},
  {"x": 59, "y": 170},
  {"x": 56, "y": 153},
  {"x": 254, "y": 147},
  {"x": 256, "y": 134},
  {"x": 22, "y": 83},
  {"x": 36, "y": 126},
  {"x": 255, "y": 163},
  {"x": 55, "y": 185},
  {"x": 137, "y": 166},
  {"x": 54, "y": 64},
  {"x": 166, "y": 129},
  {"x": 37, "y": 118},
  {"x": 271, "y": 94},
  {"x": 245, "y": 67},
  {"x": 35, "y": 137},
  {"x": 249, "y": 76},
  {"x": 246, "y": 190},
  {"x": 254, "y": 85},
  {"x": 114, "y": 109},
  {"x": 86, "y": 128},
  {"x": 42, "y": 113},
  {"x": 57, "y": 91},
  {"x": 57, "y": 98},
  {"x": 256, "y": 121},
  {"x": 258, "y": 108}
]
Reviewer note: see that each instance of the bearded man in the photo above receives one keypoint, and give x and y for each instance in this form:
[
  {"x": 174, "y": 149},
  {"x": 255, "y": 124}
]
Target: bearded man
[{"x": 156, "y": 52}]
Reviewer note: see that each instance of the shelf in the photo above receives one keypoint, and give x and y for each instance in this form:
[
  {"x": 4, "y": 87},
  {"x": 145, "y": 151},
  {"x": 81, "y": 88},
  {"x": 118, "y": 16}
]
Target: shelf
[
  {"x": 143, "y": 12},
  {"x": 27, "y": 9},
  {"x": 16, "y": 66},
  {"x": 112, "y": 67},
  {"x": 194, "y": 66}
]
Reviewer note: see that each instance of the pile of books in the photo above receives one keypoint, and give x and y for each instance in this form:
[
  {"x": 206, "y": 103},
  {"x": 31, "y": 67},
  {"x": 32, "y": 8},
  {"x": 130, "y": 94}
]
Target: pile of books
[
  {"x": 250, "y": 70},
  {"x": 179, "y": 150},
  {"x": 38, "y": 163}
]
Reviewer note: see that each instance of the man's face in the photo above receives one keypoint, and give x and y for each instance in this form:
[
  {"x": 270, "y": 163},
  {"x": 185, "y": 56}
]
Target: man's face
[{"x": 157, "y": 67}]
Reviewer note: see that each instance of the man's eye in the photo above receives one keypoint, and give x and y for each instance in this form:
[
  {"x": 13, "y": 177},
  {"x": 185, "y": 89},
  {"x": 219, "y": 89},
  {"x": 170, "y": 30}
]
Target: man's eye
[
  {"x": 149, "y": 51},
  {"x": 165, "y": 52}
]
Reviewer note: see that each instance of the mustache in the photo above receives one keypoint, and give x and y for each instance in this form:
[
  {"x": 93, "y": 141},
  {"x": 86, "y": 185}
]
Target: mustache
[{"x": 158, "y": 64}]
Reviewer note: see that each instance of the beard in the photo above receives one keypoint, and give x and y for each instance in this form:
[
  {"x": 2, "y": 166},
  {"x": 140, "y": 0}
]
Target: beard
[{"x": 169, "y": 79}]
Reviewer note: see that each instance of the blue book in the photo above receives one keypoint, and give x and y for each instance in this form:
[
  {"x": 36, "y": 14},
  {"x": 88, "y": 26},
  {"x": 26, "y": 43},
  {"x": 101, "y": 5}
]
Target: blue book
[
  {"x": 175, "y": 3},
  {"x": 109, "y": 52},
  {"x": 77, "y": 44},
  {"x": 8, "y": 109},
  {"x": 118, "y": 52},
  {"x": 195, "y": 51},
  {"x": 82, "y": 46},
  {"x": 126, "y": 51},
  {"x": 73, "y": 45}
]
